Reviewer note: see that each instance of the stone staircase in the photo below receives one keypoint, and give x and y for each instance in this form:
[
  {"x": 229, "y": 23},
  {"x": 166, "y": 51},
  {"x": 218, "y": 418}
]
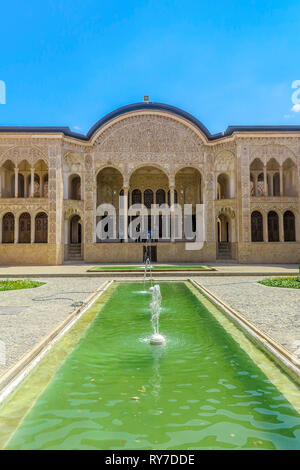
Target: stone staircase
[
  {"x": 75, "y": 252},
  {"x": 224, "y": 250}
]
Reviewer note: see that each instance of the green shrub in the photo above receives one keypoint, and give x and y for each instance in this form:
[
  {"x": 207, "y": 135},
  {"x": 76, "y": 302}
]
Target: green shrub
[
  {"x": 293, "y": 282},
  {"x": 8, "y": 284}
]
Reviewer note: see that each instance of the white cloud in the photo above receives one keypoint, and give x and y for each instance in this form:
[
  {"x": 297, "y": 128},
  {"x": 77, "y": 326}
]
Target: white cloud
[
  {"x": 77, "y": 128},
  {"x": 296, "y": 108}
]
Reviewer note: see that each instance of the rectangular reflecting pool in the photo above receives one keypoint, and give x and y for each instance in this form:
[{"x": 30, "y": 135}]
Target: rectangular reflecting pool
[{"x": 103, "y": 386}]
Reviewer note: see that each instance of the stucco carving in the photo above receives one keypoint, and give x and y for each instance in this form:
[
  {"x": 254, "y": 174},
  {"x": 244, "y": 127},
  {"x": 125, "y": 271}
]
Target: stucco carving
[
  {"x": 266, "y": 152},
  {"x": 149, "y": 138},
  {"x": 26, "y": 152},
  {"x": 73, "y": 163},
  {"x": 225, "y": 161}
]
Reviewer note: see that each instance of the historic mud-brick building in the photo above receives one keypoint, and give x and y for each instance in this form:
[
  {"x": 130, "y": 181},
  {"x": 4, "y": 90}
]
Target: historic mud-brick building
[{"x": 52, "y": 180}]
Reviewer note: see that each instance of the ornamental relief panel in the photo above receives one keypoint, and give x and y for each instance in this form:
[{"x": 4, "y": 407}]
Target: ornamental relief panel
[
  {"x": 266, "y": 152},
  {"x": 148, "y": 138},
  {"x": 73, "y": 163},
  {"x": 17, "y": 210},
  {"x": 70, "y": 211},
  {"x": 227, "y": 145},
  {"x": 18, "y": 153},
  {"x": 224, "y": 162},
  {"x": 292, "y": 143},
  {"x": 228, "y": 211},
  {"x": 280, "y": 207}
]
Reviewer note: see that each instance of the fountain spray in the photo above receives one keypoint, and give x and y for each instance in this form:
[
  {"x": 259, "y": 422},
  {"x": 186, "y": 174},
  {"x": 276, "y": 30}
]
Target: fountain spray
[{"x": 156, "y": 338}]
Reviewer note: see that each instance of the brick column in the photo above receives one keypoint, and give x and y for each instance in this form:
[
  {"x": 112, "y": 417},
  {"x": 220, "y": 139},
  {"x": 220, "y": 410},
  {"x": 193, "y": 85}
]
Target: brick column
[
  {"x": 243, "y": 196},
  {"x": 125, "y": 213},
  {"x": 25, "y": 185},
  {"x": 281, "y": 228},
  {"x": 41, "y": 185},
  {"x": 265, "y": 181},
  {"x": 271, "y": 174},
  {"x": 265, "y": 227},
  {"x": 90, "y": 196},
  {"x": 281, "y": 180},
  {"x": 32, "y": 230},
  {"x": 172, "y": 199},
  {"x": 55, "y": 202},
  {"x": 16, "y": 182},
  {"x": 16, "y": 238},
  {"x": 32, "y": 182}
]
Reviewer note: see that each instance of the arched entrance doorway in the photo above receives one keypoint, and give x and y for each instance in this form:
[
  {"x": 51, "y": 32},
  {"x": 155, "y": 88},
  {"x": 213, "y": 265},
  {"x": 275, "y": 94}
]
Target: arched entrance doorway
[
  {"x": 75, "y": 238},
  {"x": 226, "y": 235},
  {"x": 149, "y": 185},
  {"x": 109, "y": 189}
]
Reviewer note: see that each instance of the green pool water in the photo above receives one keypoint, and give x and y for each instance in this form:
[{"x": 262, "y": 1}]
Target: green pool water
[{"x": 116, "y": 391}]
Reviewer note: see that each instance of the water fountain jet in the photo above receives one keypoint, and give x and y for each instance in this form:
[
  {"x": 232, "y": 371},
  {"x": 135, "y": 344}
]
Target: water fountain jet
[{"x": 156, "y": 339}]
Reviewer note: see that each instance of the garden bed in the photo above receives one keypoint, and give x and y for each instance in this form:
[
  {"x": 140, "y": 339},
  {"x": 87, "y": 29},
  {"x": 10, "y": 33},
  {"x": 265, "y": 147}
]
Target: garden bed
[
  {"x": 292, "y": 282},
  {"x": 8, "y": 284}
]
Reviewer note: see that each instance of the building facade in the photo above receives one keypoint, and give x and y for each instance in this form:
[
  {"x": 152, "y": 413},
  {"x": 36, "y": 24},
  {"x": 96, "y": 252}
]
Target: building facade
[{"x": 52, "y": 181}]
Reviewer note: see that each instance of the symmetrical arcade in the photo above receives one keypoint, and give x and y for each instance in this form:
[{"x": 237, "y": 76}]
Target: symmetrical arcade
[{"x": 52, "y": 181}]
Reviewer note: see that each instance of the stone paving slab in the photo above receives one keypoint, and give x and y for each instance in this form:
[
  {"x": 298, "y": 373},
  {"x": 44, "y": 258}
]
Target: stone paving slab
[{"x": 274, "y": 310}]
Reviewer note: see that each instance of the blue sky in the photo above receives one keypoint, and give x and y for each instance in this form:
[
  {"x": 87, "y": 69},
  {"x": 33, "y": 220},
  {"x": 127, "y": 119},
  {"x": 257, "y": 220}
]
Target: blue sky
[{"x": 226, "y": 62}]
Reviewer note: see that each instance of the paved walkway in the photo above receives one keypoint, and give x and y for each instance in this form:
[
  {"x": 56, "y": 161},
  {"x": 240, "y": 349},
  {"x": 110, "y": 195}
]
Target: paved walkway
[
  {"x": 274, "y": 310},
  {"x": 81, "y": 269}
]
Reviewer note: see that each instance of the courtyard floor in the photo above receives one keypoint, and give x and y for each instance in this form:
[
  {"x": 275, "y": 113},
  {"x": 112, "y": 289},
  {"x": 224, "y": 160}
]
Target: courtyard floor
[
  {"x": 26, "y": 316},
  {"x": 82, "y": 269}
]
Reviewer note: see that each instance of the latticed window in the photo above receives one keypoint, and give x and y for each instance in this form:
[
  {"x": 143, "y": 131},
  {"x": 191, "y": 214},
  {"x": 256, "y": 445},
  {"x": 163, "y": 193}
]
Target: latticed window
[
  {"x": 260, "y": 185},
  {"x": 257, "y": 227},
  {"x": 8, "y": 228},
  {"x": 273, "y": 227},
  {"x": 289, "y": 227},
  {"x": 24, "y": 228},
  {"x": 136, "y": 196},
  {"x": 148, "y": 198},
  {"x": 41, "y": 228},
  {"x": 160, "y": 196}
]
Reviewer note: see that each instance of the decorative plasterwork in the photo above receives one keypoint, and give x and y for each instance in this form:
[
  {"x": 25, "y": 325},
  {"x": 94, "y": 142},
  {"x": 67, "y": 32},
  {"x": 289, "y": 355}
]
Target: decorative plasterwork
[
  {"x": 228, "y": 211},
  {"x": 18, "y": 153},
  {"x": 224, "y": 162},
  {"x": 148, "y": 137},
  {"x": 73, "y": 162},
  {"x": 18, "y": 209},
  {"x": 266, "y": 152},
  {"x": 70, "y": 211},
  {"x": 279, "y": 207}
]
